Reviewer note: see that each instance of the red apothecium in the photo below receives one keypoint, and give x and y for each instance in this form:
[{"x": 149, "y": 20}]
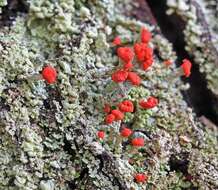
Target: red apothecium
[
  {"x": 118, "y": 114},
  {"x": 49, "y": 74},
  {"x": 125, "y": 132},
  {"x": 125, "y": 53},
  {"x": 126, "y": 106},
  {"x": 137, "y": 142},
  {"x": 128, "y": 66},
  {"x": 145, "y": 35},
  {"x": 151, "y": 102},
  {"x": 143, "y": 52},
  {"x": 100, "y": 134},
  {"x": 148, "y": 63},
  {"x": 134, "y": 78},
  {"x": 109, "y": 118},
  {"x": 186, "y": 67},
  {"x": 117, "y": 41},
  {"x": 119, "y": 76},
  {"x": 140, "y": 178}
]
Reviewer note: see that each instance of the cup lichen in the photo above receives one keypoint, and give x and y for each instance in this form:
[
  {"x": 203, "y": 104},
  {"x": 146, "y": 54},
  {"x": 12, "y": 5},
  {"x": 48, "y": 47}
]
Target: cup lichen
[{"x": 47, "y": 132}]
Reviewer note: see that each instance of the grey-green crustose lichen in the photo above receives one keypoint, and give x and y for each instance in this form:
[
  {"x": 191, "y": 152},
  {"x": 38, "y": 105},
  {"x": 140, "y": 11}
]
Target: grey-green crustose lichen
[{"x": 47, "y": 132}]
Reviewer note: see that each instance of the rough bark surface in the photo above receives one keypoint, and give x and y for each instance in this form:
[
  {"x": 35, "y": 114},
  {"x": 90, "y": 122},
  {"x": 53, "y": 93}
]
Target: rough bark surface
[{"x": 48, "y": 132}]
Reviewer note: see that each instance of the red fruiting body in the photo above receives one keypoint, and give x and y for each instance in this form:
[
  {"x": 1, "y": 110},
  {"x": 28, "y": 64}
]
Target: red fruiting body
[
  {"x": 186, "y": 66},
  {"x": 125, "y": 53},
  {"x": 119, "y": 76},
  {"x": 49, "y": 74},
  {"x": 150, "y": 103},
  {"x": 101, "y": 134},
  {"x": 118, "y": 114},
  {"x": 146, "y": 64},
  {"x": 168, "y": 62},
  {"x": 138, "y": 142},
  {"x": 126, "y": 106},
  {"x": 145, "y": 35},
  {"x": 139, "y": 49},
  {"x": 140, "y": 178},
  {"x": 117, "y": 41},
  {"x": 134, "y": 78},
  {"x": 128, "y": 66},
  {"x": 148, "y": 53},
  {"x": 125, "y": 132},
  {"x": 109, "y": 118},
  {"x": 143, "y": 52},
  {"x": 107, "y": 108}
]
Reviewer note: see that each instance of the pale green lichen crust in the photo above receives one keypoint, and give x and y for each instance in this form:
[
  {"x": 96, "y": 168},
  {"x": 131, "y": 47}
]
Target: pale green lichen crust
[{"x": 48, "y": 132}]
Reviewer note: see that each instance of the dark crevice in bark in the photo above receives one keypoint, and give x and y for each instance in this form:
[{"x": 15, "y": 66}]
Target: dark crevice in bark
[
  {"x": 179, "y": 164},
  {"x": 117, "y": 182},
  {"x": 71, "y": 185},
  {"x": 199, "y": 97},
  {"x": 67, "y": 148},
  {"x": 101, "y": 164},
  {"x": 3, "y": 105},
  {"x": 76, "y": 184},
  {"x": 9, "y": 12}
]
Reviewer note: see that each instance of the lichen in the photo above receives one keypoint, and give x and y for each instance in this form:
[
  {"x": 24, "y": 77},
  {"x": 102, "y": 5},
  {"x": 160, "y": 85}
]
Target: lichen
[
  {"x": 48, "y": 132},
  {"x": 195, "y": 32}
]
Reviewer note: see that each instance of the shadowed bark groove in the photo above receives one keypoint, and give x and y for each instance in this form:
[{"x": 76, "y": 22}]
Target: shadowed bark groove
[
  {"x": 9, "y": 12},
  {"x": 199, "y": 97}
]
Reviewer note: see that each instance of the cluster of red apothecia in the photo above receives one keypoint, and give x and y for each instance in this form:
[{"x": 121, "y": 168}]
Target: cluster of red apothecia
[{"x": 144, "y": 56}]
